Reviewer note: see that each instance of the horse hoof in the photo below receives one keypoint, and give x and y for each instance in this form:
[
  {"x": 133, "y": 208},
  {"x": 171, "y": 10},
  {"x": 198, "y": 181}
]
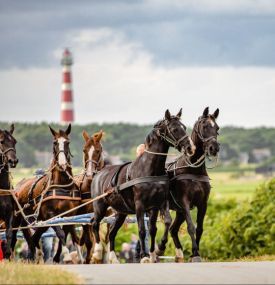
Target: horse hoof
[
  {"x": 113, "y": 258},
  {"x": 179, "y": 259},
  {"x": 159, "y": 252},
  {"x": 196, "y": 259},
  {"x": 145, "y": 259},
  {"x": 153, "y": 257}
]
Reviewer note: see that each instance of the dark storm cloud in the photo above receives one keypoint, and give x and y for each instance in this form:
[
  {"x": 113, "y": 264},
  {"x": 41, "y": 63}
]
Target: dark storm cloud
[{"x": 173, "y": 34}]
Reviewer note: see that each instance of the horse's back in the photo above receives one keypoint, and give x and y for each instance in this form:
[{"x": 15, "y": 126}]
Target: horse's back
[{"x": 24, "y": 186}]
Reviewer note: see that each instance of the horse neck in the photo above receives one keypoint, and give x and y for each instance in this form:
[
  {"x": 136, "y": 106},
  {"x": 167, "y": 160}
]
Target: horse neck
[
  {"x": 4, "y": 176},
  {"x": 154, "y": 164},
  {"x": 199, "y": 152},
  {"x": 60, "y": 177},
  {"x": 86, "y": 184}
]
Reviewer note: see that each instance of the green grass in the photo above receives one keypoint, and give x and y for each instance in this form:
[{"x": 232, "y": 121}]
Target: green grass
[
  {"x": 22, "y": 273},
  {"x": 229, "y": 185}
]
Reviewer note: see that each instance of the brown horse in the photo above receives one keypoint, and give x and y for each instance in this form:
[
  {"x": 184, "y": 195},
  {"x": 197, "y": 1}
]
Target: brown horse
[
  {"x": 51, "y": 194},
  {"x": 93, "y": 162},
  {"x": 7, "y": 159}
]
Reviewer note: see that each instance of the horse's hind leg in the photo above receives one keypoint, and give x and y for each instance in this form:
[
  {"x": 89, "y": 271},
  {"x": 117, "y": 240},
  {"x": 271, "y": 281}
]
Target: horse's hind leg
[
  {"x": 115, "y": 226},
  {"x": 167, "y": 223},
  {"x": 87, "y": 239},
  {"x": 28, "y": 237},
  {"x": 174, "y": 230},
  {"x": 35, "y": 239},
  {"x": 153, "y": 215}
]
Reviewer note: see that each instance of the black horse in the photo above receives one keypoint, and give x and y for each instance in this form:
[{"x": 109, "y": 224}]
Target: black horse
[
  {"x": 143, "y": 197},
  {"x": 189, "y": 185},
  {"x": 7, "y": 159}
]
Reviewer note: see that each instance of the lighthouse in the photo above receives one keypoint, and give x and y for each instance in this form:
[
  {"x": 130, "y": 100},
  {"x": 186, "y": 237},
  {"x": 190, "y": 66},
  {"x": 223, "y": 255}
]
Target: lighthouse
[{"x": 67, "y": 110}]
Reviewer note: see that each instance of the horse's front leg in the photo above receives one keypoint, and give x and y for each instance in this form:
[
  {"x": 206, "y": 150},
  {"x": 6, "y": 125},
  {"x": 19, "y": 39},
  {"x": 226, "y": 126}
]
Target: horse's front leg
[
  {"x": 191, "y": 231},
  {"x": 100, "y": 209},
  {"x": 115, "y": 226},
  {"x": 8, "y": 222},
  {"x": 62, "y": 238},
  {"x": 200, "y": 218},
  {"x": 153, "y": 215},
  {"x": 142, "y": 232},
  {"x": 174, "y": 231}
]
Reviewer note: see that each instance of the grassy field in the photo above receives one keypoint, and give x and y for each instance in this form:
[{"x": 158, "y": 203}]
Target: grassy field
[
  {"x": 21, "y": 273},
  {"x": 234, "y": 185}
]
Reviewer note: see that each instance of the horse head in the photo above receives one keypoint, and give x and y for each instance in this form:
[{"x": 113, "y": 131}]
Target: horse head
[
  {"x": 206, "y": 130},
  {"x": 92, "y": 153},
  {"x": 7, "y": 147},
  {"x": 61, "y": 149},
  {"x": 173, "y": 131}
]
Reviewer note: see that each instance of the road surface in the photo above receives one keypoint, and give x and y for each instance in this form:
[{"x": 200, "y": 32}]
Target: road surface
[{"x": 177, "y": 273}]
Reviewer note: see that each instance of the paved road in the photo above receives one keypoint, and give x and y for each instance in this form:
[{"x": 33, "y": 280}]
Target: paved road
[{"x": 177, "y": 273}]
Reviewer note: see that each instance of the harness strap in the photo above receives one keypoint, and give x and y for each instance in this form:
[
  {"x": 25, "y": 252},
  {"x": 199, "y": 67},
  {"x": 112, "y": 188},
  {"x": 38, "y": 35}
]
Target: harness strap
[
  {"x": 146, "y": 179},
  {"x": 193, "y": 177}
]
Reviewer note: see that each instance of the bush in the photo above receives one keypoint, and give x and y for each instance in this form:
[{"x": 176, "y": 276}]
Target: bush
[{"x": 247, "y": 230}]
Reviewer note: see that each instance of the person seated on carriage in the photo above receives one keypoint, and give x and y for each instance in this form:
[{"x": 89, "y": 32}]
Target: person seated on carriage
[{"x": 140, "y": 149}]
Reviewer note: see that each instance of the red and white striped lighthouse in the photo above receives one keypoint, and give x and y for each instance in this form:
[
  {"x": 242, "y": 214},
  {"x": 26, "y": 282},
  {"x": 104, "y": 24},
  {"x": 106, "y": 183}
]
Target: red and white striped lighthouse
[{"x": 67, "y": 110}]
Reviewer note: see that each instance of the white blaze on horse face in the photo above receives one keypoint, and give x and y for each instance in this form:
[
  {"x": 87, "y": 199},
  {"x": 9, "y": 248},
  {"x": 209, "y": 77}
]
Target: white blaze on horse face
[
  {"x": 61, "y": 156},
  {"x": 90, "y": 163},
  {"x": 212, "y": 123}
]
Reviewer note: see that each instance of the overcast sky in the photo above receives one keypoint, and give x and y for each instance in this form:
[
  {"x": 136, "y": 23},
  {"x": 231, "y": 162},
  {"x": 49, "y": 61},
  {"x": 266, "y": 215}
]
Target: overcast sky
[{"x": 134, "y": 59}]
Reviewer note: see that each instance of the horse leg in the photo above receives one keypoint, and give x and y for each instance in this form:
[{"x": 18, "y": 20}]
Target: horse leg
[
  {"x": 35, "y": 239},
  {"x": 200, "y": 218},
  {"x": 115, "y": 226},
  {"x": 56, "y": 258},
  {"x": 191, "y": 231},
  {"x": 153, "y": 215},
  {"x": 8, "y": 222},
  {"x": 16, "y": 223},
  {"x": 174, "y": 230},
  {"x": 99, "y": 214},
  {"x": 87, "y": 239},
  {"x": 60, "y": 233},
  {"x": 76, "y": 242},
  {"x": 167, "y": 223},
  {"x": 142, "y": 233},
  {"x": 28, "y": 237}
]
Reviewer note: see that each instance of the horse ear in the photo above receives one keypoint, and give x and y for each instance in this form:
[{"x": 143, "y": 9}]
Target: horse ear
[
  {"x": 85, "y": 136},
  {"x": 68, "y": 131},
  {"x": 99, "y": 136},
  {"x": 205, "y": 112},
  {"x": 167, "y": 115},
  {"x": 216, "y": 113},
  {"x": 12, "y": 128},
  {"x": 53, "y": 131},
  {"x": 179, "y": 113}
]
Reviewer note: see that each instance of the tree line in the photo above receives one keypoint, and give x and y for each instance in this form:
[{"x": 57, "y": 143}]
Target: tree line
[{"x": 121, "y": 140}]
